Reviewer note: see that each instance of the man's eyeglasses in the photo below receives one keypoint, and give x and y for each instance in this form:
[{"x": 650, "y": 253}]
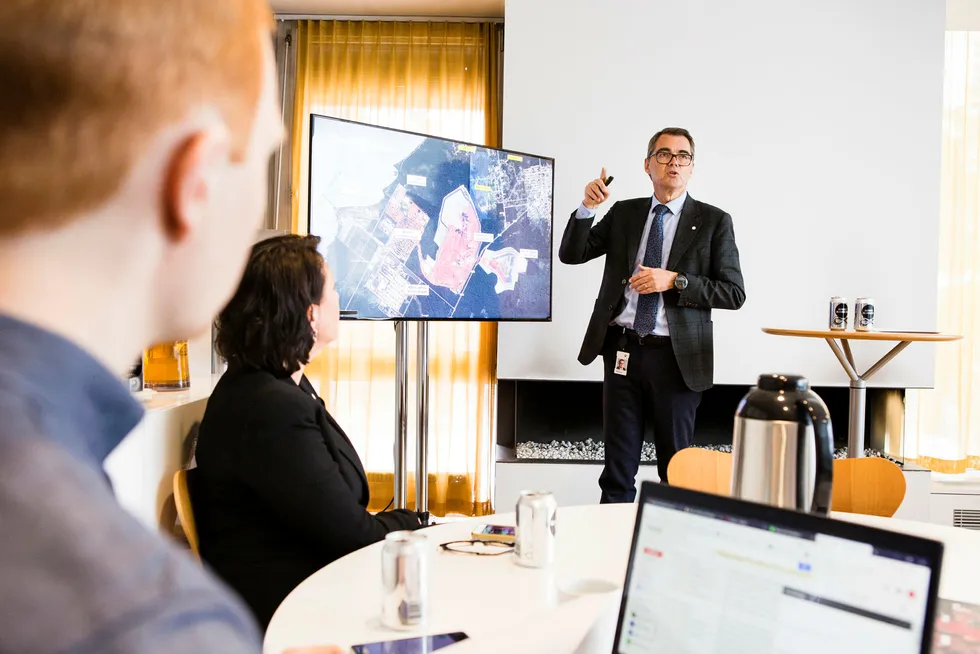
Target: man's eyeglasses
[{"x": 666, "y": 156}]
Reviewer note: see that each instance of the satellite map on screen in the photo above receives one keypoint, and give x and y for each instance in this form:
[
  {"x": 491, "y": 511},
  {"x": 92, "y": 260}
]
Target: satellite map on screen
[{"x": 417, "y": 227}]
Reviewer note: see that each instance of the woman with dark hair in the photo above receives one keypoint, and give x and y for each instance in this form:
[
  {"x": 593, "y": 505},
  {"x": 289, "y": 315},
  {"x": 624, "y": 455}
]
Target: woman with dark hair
[{"x": 279, "y": 491}]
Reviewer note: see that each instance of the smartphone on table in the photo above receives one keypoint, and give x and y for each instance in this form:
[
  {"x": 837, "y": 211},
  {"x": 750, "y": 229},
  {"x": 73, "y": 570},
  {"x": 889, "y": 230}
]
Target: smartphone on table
[
  {"x": 497, "y": 533},
  {"x": 421, "y": 645}
]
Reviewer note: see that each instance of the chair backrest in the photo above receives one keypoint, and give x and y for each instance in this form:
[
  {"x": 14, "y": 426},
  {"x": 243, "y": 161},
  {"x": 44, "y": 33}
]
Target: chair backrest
[
  {"x": 872, "y": 486},
  {"x": 182, "y": 498},
  {"x": 701, "y": 470}
]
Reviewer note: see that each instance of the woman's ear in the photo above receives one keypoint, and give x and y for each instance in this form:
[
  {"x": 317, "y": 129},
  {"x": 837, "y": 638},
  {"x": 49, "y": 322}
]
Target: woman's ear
[{"x": 313, "y": 314}]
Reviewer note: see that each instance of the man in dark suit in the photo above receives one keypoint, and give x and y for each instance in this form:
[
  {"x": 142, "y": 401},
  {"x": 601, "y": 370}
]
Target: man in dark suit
[{"x": 670, "y": 260}]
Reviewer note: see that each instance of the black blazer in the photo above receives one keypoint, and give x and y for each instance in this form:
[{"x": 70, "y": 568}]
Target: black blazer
[
  {"x": 279, "y": 491},
  {"x": 703, "y": 249}
]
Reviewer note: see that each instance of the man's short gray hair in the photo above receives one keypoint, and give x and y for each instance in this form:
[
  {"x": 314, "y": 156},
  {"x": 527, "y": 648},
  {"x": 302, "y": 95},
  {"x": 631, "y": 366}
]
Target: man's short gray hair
[{"x": 671, "y": 131}]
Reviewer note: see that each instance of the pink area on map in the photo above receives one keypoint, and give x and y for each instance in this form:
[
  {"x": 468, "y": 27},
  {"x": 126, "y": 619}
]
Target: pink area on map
[{"x": 459, "y": 249}]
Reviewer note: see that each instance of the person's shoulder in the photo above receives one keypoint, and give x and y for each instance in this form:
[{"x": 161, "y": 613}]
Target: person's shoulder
[
  {"x": 22, "y": 414},
  {"x": 635, "y": 203},
  {"x": 257, "y": 391},
  {"x": 708, "y": 210},
  {"x": 629, "y": 206},
  {"x": 103, "y": 582},
  {"x": 252, "y": 404}
]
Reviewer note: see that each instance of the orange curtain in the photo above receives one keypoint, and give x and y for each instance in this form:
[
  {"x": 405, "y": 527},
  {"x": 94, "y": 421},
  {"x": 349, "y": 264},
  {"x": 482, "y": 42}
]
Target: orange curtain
[{"x": 437, "y": 78}]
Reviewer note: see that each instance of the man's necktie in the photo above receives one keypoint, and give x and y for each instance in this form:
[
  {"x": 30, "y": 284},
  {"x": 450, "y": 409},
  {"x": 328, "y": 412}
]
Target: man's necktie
[{"x": 647, "y": 305}]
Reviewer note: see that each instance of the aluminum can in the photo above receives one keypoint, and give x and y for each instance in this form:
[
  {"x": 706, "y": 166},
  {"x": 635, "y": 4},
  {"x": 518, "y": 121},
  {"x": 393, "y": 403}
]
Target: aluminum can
[
  {"x": 404, "y": 580},
  {"x": 838, "y": 313},
  {"x": 864, "y": 314},
  {"x": 535, "y": 535}
]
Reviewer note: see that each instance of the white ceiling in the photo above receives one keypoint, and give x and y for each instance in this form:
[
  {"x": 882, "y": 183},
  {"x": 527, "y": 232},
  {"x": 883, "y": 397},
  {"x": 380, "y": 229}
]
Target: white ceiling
[
  {"x": 960, "y": 14},
  {"x": 451, "y": 8}
]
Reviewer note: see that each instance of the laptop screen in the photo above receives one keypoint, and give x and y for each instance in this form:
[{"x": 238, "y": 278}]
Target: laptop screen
[{"x": 705, "y": 581}]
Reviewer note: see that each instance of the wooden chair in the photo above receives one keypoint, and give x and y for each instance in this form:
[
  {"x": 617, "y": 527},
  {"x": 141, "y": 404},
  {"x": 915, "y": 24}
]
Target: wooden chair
[
  {"x": 701, "y": 470},
  {"x": 871, "y": 486},
  {"x": 185, "y": 513}
]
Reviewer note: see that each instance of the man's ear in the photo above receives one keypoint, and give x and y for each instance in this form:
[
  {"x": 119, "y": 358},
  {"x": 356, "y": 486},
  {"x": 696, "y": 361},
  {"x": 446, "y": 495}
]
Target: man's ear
[
  {"x": 646, "y": 165},
  {"x": 192, "y": 182}
]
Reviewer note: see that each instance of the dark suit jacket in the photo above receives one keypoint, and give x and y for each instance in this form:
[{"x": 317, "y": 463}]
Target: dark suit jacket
[
  {"x": 703, "y": 249},
  {"x": 279, "y": 491}
]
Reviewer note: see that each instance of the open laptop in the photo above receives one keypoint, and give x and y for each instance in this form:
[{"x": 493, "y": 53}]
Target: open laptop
[{"x": 710, "y": 574}]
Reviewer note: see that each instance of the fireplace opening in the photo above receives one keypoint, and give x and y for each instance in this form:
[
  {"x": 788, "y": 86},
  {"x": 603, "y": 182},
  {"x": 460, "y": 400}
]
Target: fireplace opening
[{"x": 540, "y": 421}]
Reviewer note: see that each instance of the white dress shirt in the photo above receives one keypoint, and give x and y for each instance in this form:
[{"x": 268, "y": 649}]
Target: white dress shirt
[{"x": 674, "y": 207}]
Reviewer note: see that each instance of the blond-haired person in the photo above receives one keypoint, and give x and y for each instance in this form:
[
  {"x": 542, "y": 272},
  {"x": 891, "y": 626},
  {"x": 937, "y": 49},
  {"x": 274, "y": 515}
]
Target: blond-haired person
[{"x": 134, "y": 142}]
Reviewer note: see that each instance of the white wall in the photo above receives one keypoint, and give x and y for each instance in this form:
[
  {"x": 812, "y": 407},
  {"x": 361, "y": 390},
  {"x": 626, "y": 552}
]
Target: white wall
[
  {"x": 818, "y": 128},
  {"x": 963, "y": 15},
  {"x": 142, "y": 467}
]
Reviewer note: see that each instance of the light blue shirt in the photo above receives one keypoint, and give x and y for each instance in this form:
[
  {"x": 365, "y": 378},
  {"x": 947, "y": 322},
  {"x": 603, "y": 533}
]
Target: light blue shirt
[
  {"x": 671, "y": 218},
  {"x": 77, "y": 572}
]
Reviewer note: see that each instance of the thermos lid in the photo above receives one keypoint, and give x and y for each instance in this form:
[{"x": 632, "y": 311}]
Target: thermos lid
[{"x": 787, "y": 383}]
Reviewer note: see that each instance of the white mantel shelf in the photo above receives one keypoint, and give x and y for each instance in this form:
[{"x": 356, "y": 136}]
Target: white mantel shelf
[{"x": 156, "y": 401}]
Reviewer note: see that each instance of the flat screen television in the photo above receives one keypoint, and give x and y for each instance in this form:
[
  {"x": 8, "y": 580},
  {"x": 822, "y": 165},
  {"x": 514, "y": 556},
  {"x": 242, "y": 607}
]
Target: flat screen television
[{"x": 416, "y": 227}]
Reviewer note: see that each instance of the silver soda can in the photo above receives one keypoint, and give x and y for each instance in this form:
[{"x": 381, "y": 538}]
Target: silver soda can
[
  {"x": 838, "y": 313},
  {"x": 864, "y": 314},
  {"x": 535, "y": 542},
  {"x": 404, "y": 580}
]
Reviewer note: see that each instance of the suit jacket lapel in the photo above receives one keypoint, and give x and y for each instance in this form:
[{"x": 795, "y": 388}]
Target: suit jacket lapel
[
  {"x": 344, "y": 446},
  {"x": 634, "y": 232},
  {"x": 687, "y": 231}
]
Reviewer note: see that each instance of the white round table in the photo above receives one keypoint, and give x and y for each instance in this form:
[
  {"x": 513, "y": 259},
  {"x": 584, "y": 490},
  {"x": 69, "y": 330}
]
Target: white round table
[{"x": 502, "y": 606}]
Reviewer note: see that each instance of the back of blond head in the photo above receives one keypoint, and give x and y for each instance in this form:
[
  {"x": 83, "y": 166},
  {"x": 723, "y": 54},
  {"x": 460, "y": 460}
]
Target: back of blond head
[{"x": 86, "y": 85}]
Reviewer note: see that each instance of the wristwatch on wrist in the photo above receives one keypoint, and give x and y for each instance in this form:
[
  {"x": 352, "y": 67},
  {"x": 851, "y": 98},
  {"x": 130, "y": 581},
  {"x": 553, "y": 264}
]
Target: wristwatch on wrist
[{"x": 680, "y": 282}]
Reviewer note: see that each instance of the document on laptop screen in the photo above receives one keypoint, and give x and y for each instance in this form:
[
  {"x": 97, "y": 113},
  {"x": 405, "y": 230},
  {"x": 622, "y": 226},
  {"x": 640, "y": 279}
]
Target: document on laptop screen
[{"x": 706, "y": 583}]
